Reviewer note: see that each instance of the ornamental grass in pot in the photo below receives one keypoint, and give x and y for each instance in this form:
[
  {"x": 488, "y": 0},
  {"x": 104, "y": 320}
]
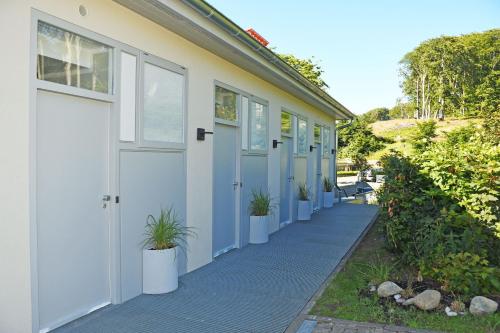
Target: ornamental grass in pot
[
  {"x": 304, "y": 205},
  {"x": 261, "y": 208},
  {"x": 164, "y": 236},
  {"x": 328, "y": 195}
]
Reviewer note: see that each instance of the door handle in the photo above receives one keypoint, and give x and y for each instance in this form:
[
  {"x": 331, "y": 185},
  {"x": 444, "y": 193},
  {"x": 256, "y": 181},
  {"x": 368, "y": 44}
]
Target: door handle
[
  {"x": 105, "y": 199},
  {"x": 235, "y": 185}
]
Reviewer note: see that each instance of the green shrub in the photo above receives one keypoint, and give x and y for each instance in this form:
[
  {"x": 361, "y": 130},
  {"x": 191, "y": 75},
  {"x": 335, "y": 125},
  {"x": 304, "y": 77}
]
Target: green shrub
[
  {"x": 425, "y": 132},
  {"x": 327, "y": 184},
  {"x": 304, "y": 192},
  {"x": 261, "y": 203},
  {"x": 440, "y": 210},
  {"x": 466, "y": 274},
  {"x": 347, "y": 173},
  {"x": 165, "y": 232}
]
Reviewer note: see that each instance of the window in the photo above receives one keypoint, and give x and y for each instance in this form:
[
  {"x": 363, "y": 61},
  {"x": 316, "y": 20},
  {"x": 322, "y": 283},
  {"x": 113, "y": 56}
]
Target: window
[
  {"x": 163, "y": 115},
  {"x": 226, "y": 104},
  {"x": 127, "y": 97},
  {"x": 286, "y": 123},
  {"x": 258, "y": 126},
  {"x": 302, "y": 137},
  {"x": 244, "y": 123},
  {"x": 73, "y": 60},
  {"x": 326, "y": 141},
  {"x": 317, "y": 134},
  {"x": 295, "y": 134}
]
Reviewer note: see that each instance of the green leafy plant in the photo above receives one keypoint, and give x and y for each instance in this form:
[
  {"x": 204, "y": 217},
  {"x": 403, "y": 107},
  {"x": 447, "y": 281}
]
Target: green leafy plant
[
  {"x": 466, "y": 274},
  {"x": 327, "y": 184},
  {"x": 166, "y": 231},
  {"x": 304, "y": 192},
  {"x": 376, "y": 271},
  {"x": 261, "y": 203}
]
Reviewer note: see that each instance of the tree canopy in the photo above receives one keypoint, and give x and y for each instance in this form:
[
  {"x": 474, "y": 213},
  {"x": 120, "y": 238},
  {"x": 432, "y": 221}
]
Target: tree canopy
[
  {"x": 454, "y": 75},
  {"x": 309, "y": 68}
]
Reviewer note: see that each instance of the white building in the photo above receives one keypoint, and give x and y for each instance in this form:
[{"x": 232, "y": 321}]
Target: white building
[{"x": 100, "y": 110}]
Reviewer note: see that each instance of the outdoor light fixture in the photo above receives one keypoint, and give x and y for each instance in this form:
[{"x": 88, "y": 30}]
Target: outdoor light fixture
[
  {"x": 276, "y": 143},
  {"x": 200, "y": 134},
  {"x": 311, "y": 147},
  {"x": 333, "y": 151}
]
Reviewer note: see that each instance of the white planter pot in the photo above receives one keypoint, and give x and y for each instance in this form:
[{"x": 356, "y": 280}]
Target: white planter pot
[
  {"x": 159, "y": 271},
  {"x": 304, "y": 210},
  {"x": 259, "y": 229},
  {"x": 328, "y": 199}
]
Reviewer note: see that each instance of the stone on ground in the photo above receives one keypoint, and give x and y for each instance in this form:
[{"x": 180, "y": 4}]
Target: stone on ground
[
  {"x": 388, "y": 288},
  {"x": 480, "y": 305},
  {"x": 427, "y": 300}
]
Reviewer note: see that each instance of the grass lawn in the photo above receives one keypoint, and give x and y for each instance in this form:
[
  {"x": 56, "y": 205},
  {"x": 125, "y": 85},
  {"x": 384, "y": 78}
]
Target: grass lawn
[{"x": 345, "y": 297}]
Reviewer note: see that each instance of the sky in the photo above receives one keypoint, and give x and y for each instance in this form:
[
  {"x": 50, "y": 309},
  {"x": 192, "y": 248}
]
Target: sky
[{"x": 359, "y": 43}]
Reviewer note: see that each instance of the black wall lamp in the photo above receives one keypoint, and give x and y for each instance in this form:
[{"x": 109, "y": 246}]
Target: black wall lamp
[
  {"x": 200, "y": 134},
  {"x": 311, "y": 147},
  {"x": 334, "y": 151},
  {"x": 276, "y": 143}
]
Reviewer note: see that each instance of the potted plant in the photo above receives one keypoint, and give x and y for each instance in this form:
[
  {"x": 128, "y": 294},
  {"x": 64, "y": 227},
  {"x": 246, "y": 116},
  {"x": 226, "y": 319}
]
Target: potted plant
[
  {"x": 327, "y": 192},
  {"x": 304, "y": 204},
  {"x": 260, "y": 209},
  {"x": 163, "y": 238}
]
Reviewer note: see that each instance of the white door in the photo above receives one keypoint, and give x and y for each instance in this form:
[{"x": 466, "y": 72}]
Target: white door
[
  {"x": 72, "y": 148},
  {"x": 225, "y": 186},
  {"x": 286, "y": 181}
]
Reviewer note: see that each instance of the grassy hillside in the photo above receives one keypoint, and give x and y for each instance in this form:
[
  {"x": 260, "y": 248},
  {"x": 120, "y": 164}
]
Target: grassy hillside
[{"x": 400, "y": 131}]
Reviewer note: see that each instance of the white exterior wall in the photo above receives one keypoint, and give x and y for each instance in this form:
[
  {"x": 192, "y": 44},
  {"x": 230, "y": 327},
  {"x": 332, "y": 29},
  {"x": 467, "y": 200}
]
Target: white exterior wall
[{"x": 113, "y": 21}]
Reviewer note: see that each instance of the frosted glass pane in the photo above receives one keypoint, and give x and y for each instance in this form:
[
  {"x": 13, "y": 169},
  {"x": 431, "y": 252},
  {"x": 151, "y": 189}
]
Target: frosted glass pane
[
  {"x": 163, "y": 105},
  {"x": 244, "y": 123},
  {"x": 295, "y": 135},
  {"x": 225, "y": 104},
  {"x": 326, "y": 141},
  {"x": 258, "y": 128},
  {"x": 73, "y": 60},
  {"x": 302, "y": 137},
  {"x": 127, "y": 97}
]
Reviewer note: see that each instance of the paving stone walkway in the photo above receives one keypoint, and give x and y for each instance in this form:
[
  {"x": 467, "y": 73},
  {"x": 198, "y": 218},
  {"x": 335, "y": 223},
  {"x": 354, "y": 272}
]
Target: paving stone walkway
[
  {"x": 259, "y": 288},
  {"x": 331, "y": 325}
]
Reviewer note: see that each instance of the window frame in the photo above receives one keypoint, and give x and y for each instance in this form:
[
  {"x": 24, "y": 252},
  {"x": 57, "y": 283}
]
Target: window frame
[
  {"x": 238, "y": 93},
  {"x": 169, "y": 66}
]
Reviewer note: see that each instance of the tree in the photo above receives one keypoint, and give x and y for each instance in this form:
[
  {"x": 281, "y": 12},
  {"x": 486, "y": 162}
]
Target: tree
[
  {"x": 357, "y": 141},
  {"x": 309, "y": 68},
  {"x": 454, "y": 75},
  {"x": 376, "y": 115},
  {"x": 425, "y": 132}
]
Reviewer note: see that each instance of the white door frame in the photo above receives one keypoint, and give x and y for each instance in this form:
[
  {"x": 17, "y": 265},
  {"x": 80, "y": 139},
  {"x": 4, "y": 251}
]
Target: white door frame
[
  {"x": 34, "y": 86},
  {"x": 237, "y": 192}
]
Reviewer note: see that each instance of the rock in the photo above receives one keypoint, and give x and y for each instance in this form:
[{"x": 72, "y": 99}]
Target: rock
[
  {"x": 450, "y": 313},
  {"x": 388, "y": 288},
  {"x": 397, "y": 296},
  {"x": 373, "y": 289},
  {"x": 401, "y": 300},
  {"x": 480, "y": 305},
  {"x": 427, "y": 300}
]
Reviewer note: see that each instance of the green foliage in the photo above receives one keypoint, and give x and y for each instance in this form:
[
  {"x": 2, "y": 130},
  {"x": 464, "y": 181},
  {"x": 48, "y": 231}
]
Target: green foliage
[
  {"x": 422, "y": 137},
  {"x": 304, "y": 192},
  {"x": 342, "y": 173},
  {"x": 375, "y": 115},
  {"x": 442, "y": 205},
  {"x": 457, "y": 76},
  {"x": 376, "y": 271},
  {"x": 358, "y": 140},
  {"x": 465, "y": 274},
  {"x": 165, "y": 232},
  {"x": 261, "y": 203},
  {"x": 327, "y": 184},
  {"x": 309, "y": 68}
]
